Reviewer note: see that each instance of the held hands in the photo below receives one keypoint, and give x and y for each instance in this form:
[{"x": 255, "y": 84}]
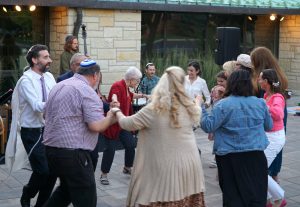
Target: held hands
[
  {"x": 198, "y": 100},
  {"x": 114, "y": 110},
  {"x": 114, "y": 101}
]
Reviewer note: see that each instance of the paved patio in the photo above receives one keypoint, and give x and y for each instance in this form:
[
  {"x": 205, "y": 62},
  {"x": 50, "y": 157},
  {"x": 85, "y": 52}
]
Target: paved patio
[{"x": 114, "y": 195}]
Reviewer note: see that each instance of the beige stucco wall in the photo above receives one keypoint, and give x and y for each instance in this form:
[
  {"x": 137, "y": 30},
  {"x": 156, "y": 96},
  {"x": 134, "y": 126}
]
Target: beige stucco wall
[
  {"x": 289, "y": 49},
  {"x": 113, "y": 39}
]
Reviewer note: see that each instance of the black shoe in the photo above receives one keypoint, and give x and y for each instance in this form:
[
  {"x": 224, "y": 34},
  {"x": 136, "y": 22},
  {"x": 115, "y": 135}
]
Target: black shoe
[
  {"x": 25, "y": 202},
  {"x": 25, "y": 198}
]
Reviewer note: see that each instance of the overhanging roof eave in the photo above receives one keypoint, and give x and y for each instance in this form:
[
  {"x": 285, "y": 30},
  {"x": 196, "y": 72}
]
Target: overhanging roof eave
[{"x": 226, "y": 9}]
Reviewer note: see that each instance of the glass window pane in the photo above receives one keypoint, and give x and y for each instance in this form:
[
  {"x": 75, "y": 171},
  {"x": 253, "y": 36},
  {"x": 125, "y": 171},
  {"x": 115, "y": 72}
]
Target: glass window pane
[{"x": 18, "y": 31}]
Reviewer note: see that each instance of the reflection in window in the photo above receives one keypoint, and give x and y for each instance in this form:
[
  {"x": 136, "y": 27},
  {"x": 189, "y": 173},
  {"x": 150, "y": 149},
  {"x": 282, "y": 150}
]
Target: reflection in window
[
  {"x": 18, "y": 32},
  {"x": 192, "y": 32}
]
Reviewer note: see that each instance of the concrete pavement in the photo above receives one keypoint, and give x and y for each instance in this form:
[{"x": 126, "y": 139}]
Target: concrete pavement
[{"x": 115, "y": 194}]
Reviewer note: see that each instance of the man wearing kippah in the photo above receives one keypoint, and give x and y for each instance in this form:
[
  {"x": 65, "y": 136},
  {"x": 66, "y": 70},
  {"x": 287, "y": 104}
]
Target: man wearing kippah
[
  {"x": 27, "y": 126},
  {"x": 150, "y": 80},
  {"x": 74, "y": 117}
]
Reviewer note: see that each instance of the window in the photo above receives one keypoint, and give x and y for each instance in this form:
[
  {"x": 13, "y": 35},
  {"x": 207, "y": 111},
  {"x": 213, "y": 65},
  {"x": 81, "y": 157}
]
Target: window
[{"x": 18, "y": 32}]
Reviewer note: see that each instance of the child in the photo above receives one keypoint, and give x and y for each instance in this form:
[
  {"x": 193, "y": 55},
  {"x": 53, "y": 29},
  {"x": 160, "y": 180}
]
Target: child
[
  {"x": 274, "y": 98},
  {"x": 217, "y": 93}
]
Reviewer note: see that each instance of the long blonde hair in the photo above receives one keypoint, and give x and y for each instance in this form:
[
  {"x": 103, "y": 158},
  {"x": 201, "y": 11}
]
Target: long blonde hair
[{"x": 170, "y": 93}]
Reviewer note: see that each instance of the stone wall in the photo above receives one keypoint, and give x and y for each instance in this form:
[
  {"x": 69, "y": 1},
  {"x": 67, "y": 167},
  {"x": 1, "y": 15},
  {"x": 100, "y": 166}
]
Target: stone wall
[
  {"x": 113, "y": 39},
  {"x": 59, "y": 25},
  {"x": 289, "y": 49},
  {"x": 264, "y": 32},
  {"x": 289, "y": 44}
]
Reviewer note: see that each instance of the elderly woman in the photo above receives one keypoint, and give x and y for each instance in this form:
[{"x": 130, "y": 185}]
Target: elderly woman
[
  {"x": 167, "y": 170},
  {"x": 239, "y": 122},
  {"x": 113, "y": 133}
]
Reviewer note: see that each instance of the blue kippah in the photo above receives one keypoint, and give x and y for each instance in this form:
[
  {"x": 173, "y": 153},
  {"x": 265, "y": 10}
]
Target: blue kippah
[{"x": 87, "y": 63}]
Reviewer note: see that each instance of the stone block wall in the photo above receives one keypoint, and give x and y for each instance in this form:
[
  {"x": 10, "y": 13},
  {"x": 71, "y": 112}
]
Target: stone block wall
[
  {"x": 289, "y": 49},
  {"x": 113, "y": 39},
  {"x": 59, "y": 26},
  {"x": 264, "y": 32}
]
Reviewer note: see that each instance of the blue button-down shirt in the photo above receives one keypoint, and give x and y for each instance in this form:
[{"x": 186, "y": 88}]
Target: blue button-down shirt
[
  {"x": 148, "y": 84},
  {"x": 239, "y": 124}
]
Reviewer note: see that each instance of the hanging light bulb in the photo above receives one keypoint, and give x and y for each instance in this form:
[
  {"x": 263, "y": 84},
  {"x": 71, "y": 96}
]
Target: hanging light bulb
[
  {"x": 272, "y": 17},
  {"x": 18, "y": 8},
  {"x": 32, "y": 8},
  {"x": 281, "y": 19},
  {"x": 4, "y": 9},
  {"x": 250, "y": 18}
]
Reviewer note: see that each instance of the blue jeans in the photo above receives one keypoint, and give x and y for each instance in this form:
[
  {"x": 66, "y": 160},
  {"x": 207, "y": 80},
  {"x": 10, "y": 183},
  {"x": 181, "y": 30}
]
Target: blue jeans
[{"x": 129, "y": 143}]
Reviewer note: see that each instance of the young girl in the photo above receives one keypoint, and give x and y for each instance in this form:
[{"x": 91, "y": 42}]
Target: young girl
[
  {"x": 268, "y": 82},
  {"x": 217, "y": 92}
]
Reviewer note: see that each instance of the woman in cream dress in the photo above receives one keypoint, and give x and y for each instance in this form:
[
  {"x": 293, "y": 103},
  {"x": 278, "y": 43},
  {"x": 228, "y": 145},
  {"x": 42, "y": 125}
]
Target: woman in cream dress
[{"x": 167, "y": 169}]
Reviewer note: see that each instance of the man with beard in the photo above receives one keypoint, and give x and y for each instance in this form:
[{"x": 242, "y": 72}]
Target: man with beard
[
  {"x": 70, "y": 48},
  {"x": 28, "y": 102},
  {"x": 150, "y": 80},
  {"x": 74, "y": 116}
]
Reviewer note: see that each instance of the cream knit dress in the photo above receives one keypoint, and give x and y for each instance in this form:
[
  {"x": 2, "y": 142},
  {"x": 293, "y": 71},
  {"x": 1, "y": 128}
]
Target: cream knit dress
[{"x": 167, "y": 164}]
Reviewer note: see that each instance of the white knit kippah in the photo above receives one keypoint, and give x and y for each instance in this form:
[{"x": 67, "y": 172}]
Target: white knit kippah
[{"x": 87, "y": 63}]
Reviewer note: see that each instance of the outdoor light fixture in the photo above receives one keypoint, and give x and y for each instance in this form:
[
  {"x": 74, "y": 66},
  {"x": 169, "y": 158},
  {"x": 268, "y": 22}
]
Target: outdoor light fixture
[
  {"x": 272, "y": 17},
  {"x": 32, "y": 8},
  {"x": 281, "y": 18},
  {"x": 18, "y": 8},
  {"x": 252, "y": 18},
  {"x": 4, "y": 9}
]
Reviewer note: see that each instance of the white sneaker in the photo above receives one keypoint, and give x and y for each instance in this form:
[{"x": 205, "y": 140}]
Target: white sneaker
[{"x": 213, "y": 164}]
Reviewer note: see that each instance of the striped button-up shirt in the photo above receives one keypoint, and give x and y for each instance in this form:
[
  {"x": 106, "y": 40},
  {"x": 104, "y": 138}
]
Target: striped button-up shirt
[{"x": 71, "y": 105}]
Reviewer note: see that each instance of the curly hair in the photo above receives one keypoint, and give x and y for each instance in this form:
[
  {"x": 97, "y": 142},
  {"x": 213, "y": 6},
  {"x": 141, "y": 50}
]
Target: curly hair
[
  {"x": 169, "y": 94},
  {"x": 68, "y": 43}
]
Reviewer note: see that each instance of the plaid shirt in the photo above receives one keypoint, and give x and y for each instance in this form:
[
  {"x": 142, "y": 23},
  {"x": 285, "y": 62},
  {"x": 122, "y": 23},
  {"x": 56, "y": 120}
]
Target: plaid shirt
[
  {"x": 148, "y": 84},
  {"x": 71, "y": 105}
]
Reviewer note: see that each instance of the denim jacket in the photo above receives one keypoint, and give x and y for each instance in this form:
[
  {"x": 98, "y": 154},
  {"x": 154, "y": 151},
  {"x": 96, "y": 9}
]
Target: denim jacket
[{"x": 239, "y": 124}]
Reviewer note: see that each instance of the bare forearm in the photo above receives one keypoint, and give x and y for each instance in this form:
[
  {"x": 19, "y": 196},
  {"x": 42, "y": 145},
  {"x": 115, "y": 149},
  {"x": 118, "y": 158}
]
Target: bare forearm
[{"x": 102, "y": 125}]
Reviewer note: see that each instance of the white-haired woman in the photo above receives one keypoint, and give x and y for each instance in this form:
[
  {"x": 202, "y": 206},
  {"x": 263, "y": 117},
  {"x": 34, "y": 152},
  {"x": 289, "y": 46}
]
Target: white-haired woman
[
  {"x": 167, "y": 169},
  {"x": 114, "y": 132}
]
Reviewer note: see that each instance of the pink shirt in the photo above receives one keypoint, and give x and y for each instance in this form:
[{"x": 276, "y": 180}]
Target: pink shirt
[{"x": 276, "y": 105}]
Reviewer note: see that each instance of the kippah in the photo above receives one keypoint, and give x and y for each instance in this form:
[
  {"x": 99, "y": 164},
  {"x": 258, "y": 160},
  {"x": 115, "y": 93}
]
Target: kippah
[{"x": 87, "y": 63}]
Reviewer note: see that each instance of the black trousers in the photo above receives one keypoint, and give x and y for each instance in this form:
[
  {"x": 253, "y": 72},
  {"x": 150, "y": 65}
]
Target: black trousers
[
  {"x": 243, "y": 178},
  {"x": 95, "y": 155},
  {"x": 129, "y": 143},
  {"x": 77, "y": 180},
  {"x": 40, "y": 180}
]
